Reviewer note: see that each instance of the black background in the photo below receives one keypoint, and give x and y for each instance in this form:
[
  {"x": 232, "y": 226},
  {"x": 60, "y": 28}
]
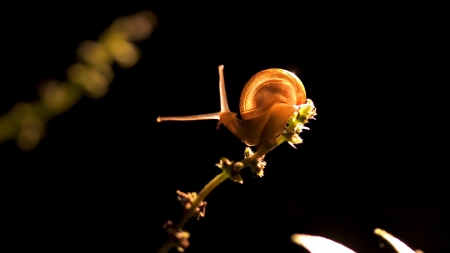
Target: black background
[{"x": 105, "y": 176}]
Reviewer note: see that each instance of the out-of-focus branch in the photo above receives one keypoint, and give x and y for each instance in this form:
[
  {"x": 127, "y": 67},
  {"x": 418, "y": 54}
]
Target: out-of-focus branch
[{"x": 91, "y": 75}]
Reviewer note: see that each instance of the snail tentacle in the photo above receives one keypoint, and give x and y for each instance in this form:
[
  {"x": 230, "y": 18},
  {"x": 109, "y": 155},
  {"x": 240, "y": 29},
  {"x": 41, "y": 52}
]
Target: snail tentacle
[
  {"x": 223, "y": 94},
  {"x": 215, "y": 115},
  {"x": 206, "y": 116}
]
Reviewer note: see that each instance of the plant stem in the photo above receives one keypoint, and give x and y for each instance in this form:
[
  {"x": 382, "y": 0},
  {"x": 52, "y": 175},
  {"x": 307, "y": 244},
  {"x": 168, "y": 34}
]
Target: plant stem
[
  {"x": 200, "y": 197},
  {"x": 209, "y": 187},
  {"x": 246, "y": 162},
  {"x": 166, "y": 247}
]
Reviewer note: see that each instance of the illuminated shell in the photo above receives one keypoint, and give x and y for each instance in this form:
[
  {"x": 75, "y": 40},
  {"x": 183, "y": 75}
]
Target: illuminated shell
[{"x": 271, "y": 86}]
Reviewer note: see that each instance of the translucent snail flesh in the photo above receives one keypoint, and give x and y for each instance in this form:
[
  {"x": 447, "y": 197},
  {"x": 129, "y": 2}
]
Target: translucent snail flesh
[{"x": 267, "y": 101}]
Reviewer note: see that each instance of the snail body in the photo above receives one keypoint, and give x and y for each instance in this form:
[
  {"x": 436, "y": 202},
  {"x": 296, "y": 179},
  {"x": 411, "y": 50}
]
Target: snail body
[{"x": 267, "y": 101}]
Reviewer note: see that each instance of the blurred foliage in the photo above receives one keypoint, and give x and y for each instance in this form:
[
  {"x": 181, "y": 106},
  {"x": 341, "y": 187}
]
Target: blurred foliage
[{"x": 90, "y": 76}]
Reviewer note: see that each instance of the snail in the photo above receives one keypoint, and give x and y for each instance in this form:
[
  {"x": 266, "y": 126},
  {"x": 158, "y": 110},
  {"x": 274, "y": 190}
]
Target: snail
[{"x": 267, "y": 101}]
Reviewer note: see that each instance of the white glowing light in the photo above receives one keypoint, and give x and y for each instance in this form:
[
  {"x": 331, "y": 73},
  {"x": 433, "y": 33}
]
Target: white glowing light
[
  {"x": 317, "y": 244},
  {"x": 398, "y": 245}
]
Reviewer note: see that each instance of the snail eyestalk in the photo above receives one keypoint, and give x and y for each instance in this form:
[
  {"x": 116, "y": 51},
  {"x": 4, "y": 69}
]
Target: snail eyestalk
[
  {"x": 216, "y": 115},
  {"x": 223, "y": 94}
]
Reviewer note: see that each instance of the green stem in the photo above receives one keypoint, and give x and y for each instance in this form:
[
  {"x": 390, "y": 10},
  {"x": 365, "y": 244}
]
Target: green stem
[
  {"x": 200, "y": 197},
  {"x": 166, "y": 247},
  {"x": 210, "y": 186},
  {"x": 246, "y": 162}
]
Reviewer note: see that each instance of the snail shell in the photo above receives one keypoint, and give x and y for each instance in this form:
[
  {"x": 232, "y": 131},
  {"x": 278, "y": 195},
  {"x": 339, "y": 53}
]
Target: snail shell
[
  {"x": 271, "y": 86},
  {"x": 267, "y": 101}
]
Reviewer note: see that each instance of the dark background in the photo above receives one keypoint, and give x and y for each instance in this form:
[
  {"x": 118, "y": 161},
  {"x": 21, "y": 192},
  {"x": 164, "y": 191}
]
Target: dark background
[{"x": 105, "y": 176}]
